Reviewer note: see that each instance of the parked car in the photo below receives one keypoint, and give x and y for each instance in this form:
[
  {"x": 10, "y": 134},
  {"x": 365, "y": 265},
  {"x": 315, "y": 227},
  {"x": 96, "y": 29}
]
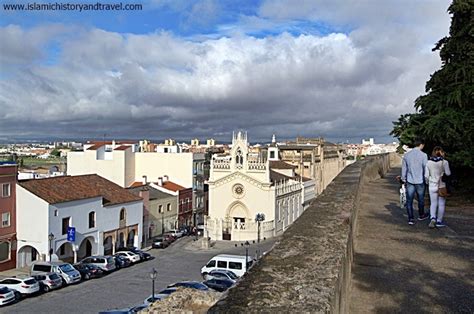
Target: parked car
[
  {"x": 89, "y": 271},
  {"x": 128, "y": 310},
  {"x": 176, "y": 233},
  {"x": 106, "y": 263},
  {"x": 21, "y": 286},
  {"x": 68, "y": 273},
  {"x": 189, "y": 284},
  {"x": 121, "y": 262},
  {"x": 234, "y": 263},
  {"x": 143, "y": 255},
  {"x": 221, "y": 274},
  {"x": 169, "y": 237},
  {"x": 185, "y": 230},
  {"x": 159, "y": 296},
  {"x": 159, "y": 243},
  {"x": 48, "y": 281},
  {"x": 132, "y": 257},
  {"x": 6, "y": 295},
  {"x": 220, "y": 285}
]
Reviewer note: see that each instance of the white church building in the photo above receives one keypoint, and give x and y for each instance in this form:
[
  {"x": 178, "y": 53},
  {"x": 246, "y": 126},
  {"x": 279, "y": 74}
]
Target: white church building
[{"x": 243, "y": 185}]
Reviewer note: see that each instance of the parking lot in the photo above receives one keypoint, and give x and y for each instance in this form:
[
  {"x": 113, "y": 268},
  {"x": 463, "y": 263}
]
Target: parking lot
[{"x": 131, "y": 286}]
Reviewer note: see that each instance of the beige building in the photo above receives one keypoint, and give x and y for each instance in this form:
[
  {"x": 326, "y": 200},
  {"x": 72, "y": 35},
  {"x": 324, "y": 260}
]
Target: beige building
[
  {"x": 313, "y": 157},
  {"x": 242, "y": 185}
]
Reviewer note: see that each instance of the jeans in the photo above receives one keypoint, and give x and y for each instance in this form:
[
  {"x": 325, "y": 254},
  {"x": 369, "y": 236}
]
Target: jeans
[
  {"x": 420, "y": 193},
  {"x": 437, "y": 203}
]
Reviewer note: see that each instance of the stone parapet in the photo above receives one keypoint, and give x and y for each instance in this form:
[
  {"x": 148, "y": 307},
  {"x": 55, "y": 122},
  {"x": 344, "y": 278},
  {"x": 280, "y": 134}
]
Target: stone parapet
[{"x": 309, "y": 270}]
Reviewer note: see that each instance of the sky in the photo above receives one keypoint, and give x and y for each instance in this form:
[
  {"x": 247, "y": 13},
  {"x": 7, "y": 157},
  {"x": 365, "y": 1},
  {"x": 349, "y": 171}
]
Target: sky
[{"x": 340, "y": 69}]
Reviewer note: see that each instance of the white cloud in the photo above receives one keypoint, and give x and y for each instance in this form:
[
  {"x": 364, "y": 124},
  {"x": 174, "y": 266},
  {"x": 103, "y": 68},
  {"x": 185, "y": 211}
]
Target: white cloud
[{"x": 158, "y": 85}]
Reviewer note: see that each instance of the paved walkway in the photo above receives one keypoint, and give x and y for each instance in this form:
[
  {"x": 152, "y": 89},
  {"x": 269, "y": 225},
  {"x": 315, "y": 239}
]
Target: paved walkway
[{"x": 410, "y": 269}]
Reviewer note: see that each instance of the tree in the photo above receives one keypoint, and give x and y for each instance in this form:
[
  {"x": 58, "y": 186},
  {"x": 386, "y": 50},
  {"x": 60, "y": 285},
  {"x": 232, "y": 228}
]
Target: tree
[
  {"x": 55, "y": 152},
  {"x": 445, "y": 114}
]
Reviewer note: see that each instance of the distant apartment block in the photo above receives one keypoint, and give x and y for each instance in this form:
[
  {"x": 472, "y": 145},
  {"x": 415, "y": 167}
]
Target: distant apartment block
[{"x": 8, "y": 234}]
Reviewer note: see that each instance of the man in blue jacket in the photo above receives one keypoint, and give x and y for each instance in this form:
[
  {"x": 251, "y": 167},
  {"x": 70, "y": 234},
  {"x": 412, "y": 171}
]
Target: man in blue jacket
[{"x": 413, "y": 170}]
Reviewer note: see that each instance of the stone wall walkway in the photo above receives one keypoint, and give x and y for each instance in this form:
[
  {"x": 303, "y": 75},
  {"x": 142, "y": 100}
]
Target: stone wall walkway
[{"x": 410, "y": 269}]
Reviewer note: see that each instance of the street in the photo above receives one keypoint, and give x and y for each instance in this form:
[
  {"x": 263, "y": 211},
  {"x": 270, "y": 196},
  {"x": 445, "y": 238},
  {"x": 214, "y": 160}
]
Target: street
[{"x": 131, "y": 286}]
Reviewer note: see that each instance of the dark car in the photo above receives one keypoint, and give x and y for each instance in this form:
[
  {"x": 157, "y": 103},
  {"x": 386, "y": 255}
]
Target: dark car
[
  {"x": 190, "y": 284},
  {"x": 143, "y": 255},
  {"x": 219, "y": 284},
  {"x": 89, "y": 271},
  {"x": 169, "y": 237},
  {"x": 121, "y": 262},
  {"x": 159, "y": 243}
]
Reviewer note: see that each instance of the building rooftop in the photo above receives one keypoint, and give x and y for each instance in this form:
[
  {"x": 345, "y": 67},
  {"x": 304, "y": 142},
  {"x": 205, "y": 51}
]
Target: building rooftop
[
  {"x": 279, "y": 164},
  {"x": 56, "y": 190}
]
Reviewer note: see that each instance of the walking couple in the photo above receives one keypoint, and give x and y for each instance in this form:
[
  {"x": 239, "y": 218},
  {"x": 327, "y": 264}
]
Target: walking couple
[{"x": 416, "y": 170}]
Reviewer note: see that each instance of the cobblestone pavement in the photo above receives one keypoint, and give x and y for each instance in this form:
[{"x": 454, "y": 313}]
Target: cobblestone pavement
[{"x": 131, "y": 286}]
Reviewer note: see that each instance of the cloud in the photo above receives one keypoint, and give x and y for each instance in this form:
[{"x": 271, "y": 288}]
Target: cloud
[{"x": 341, "y": 85}]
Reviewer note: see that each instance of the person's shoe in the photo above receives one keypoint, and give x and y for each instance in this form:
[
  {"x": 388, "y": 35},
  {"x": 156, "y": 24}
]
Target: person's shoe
[
  {"x": 423, "y": 217},
  {"x": 432, "y": 223},
  {"x": 440, "y": 224},
  {"x": 411, "y": 222}
]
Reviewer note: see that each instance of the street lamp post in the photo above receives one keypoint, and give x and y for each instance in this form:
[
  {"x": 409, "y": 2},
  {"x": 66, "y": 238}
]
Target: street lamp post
[
  {"x": 259, "y": 218},
  {"x": 50, "y": 238},
  {"x": 153, "y": 275},
  {"x": 247, "y": 244},
  {"x": 163, "y": 222}
]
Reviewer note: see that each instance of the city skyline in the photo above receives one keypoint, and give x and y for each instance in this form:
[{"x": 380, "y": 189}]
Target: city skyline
[{"x": 181, "y": 69}]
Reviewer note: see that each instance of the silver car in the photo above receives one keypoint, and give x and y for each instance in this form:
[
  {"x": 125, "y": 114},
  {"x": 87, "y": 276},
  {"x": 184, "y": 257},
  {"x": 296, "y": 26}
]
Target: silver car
[
  {"x": 48, "y": 281},
  {"x": 106, "y": 263}
]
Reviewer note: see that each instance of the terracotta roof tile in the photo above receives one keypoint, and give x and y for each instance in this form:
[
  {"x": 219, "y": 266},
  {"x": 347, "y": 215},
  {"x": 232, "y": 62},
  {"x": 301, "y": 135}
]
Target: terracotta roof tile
[
  {"x": 172, "y": 186},
  {"x": 70, "y": 188},
  {"x": 123, "y": 147}
]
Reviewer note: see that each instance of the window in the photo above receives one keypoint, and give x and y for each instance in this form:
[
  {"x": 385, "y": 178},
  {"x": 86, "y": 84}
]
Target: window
[
  {"x": 91, "y": 220},
  {"x": 221, "y": 264},
  {"x": 211, "y": 264},
  {"x": 62, "y": 250},
  {"x": 235, "y": 265},
  {"x": 272, "y": 154},
  {"x": 122, "y": 214},
  {"x": 160, "y": 208},
  {"x": 4, "y": 251},
  {"x": 66, "y": 224},
  {"x": 6, "y": 190},
  {"x": 168, "y": 207},
  {"x": 55, "y": 213},
  {"x": 5, "y": 220}
]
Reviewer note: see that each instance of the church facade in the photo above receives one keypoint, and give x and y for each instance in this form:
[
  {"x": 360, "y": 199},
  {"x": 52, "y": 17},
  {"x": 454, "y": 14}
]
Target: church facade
[{"x": 251, "y": 196}]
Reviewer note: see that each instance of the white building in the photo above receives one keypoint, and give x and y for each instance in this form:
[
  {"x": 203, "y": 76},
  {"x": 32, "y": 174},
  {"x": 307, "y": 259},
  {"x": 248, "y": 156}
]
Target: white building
[
  {"x": 105, "y": 216},
  {"x": 242, "y": 186},
  {"x": 124, "y": 165}
]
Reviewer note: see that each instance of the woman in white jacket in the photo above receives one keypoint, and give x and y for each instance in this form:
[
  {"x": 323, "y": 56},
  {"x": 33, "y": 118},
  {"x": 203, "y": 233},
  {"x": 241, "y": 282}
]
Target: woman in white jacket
[{"x": 435, "y": 168}]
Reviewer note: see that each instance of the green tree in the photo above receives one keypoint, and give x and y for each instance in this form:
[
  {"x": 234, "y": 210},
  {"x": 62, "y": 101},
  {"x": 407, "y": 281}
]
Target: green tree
[
  {"x": 55, "y": 152},
  {"x": 445, "y": 114}
]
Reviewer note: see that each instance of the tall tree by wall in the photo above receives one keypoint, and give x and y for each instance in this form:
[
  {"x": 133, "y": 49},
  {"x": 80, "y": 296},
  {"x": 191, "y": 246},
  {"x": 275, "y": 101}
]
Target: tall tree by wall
[{"x": 445, "y": 114}]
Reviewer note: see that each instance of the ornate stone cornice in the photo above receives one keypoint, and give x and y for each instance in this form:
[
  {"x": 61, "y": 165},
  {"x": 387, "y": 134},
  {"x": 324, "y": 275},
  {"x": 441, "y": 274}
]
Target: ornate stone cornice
[{"x": 243, "y": 177}]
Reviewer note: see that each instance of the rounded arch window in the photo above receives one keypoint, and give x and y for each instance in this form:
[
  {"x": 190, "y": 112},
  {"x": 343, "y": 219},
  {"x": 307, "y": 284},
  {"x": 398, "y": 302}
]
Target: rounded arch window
[
  {"x": 92, "y": 219},
  {"x": 123, "y": 213}
]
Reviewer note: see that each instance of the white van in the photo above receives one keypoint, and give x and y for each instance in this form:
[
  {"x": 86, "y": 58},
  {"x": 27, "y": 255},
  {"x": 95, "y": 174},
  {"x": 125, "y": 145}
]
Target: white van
[
  {"x": 68, "y": 273},
  {"x": 234, "y": 263}
]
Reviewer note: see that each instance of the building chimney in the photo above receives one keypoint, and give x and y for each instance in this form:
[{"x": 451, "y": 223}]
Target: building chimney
[
  {"x": 165, "y": 178},
  {"x": 160, "y": 181},
  {"x": 144, "y": 180}
]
